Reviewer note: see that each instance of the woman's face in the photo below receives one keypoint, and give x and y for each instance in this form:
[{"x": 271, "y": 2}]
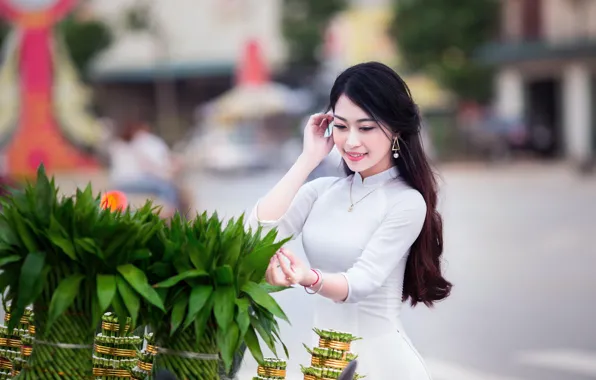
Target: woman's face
[{"x": 363, "y": 143}]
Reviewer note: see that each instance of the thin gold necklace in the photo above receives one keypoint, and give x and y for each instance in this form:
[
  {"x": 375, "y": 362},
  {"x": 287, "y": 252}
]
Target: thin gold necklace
[{"x": 369, "y": 193}]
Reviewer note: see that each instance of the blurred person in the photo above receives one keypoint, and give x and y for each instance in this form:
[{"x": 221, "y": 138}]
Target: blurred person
[
  {"x": 373, "y": 238},
  {"x": 141, "y": 162}
]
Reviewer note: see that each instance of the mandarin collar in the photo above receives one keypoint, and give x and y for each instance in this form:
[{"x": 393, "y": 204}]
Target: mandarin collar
[{"x": 377, "y": 179}]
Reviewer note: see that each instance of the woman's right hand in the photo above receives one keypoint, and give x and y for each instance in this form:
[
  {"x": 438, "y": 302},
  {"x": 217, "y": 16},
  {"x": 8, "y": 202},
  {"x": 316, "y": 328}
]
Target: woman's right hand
[{"x": 316, "y": 145}]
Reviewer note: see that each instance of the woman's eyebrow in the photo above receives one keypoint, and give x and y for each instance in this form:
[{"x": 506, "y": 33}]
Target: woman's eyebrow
[{"x": 358, "y": 121}]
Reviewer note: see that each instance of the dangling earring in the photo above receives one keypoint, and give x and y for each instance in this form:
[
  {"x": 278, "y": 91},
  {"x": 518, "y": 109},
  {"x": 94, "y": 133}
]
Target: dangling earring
[{"x": 395, "y": 148}]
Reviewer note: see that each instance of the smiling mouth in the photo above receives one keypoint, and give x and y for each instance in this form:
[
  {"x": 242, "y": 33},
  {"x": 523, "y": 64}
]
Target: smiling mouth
[{"x": 355, "y": 156}]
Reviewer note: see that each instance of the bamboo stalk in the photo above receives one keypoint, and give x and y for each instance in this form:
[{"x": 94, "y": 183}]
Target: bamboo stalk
[
  {"x": 185, "y": 368},
  {"x": 65, "y": 350}
]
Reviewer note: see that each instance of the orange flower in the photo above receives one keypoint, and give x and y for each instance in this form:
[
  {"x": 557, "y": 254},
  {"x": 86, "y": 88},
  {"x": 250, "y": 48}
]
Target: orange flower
[{"x": 113, "y": 200}]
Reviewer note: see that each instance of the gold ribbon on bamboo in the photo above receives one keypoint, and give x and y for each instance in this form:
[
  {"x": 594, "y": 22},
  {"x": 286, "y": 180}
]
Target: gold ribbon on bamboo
[
  {"x": 10, "y": 342},
  {"x": 115, "y": 352},
  {"x": 311, "y": 377},
  {"x": 326, "y": 362},
  {"x": 145, "y": 366},
  {"x": 111, "y": 372},
  {"x": 5, "y": 363},
  {"x": 113, "y": 326},
  {"x": 267, "y": 371},
  {"x": 26, "y": 350},
  {"x": 152, "y": 349},
  {"x": 335, "y": 344},
  {"x": 24, "y": 320}
]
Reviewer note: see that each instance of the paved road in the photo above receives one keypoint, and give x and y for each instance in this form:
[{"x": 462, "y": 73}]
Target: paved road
[{"x": 519, "y": 250}]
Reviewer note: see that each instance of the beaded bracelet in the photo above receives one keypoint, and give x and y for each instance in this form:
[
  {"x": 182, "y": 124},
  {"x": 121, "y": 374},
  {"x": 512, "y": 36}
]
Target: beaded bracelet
[{"x": 319, "y": 278}]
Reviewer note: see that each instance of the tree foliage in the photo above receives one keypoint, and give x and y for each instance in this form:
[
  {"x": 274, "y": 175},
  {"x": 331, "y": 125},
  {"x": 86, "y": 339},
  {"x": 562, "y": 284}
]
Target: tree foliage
[
  {"x": 441, "y": 37},
  {"x": 85, "y": 39},
  {"x": 304, "y": 24}
]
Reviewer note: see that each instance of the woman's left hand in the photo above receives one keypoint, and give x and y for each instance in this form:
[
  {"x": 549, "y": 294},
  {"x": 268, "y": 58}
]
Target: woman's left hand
[{"x": 282, "y": 273}]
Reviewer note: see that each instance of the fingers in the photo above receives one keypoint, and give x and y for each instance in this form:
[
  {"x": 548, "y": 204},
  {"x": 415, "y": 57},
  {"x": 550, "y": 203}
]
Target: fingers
[
  {"x": 318, "y": 118},
  {"x": 287, "y": 271},
  {"x": 276, "y": 276},
  {"x": 287, "y": 253},
  {"x": 320, "y": 121}
]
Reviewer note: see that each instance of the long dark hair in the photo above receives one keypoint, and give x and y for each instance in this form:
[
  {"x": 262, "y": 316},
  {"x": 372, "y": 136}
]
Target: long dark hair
[{"x": 382, "y": 94}]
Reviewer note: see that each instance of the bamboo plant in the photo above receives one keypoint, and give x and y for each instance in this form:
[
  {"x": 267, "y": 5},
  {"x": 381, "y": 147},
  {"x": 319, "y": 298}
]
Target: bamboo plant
[
  {"x": 72, "y": 260},
  {"x": 212, "y": 277},
  {"x": 115, "y": 350},
  {"x": 331, "y": 356},
  {"x": 272, "y": 369}
]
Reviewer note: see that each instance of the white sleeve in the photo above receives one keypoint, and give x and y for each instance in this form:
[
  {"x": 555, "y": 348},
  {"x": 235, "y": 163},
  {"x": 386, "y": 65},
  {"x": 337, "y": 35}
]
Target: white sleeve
[
  {"x": 389, "y": 244},
  {"x": 291, "y": 223}
]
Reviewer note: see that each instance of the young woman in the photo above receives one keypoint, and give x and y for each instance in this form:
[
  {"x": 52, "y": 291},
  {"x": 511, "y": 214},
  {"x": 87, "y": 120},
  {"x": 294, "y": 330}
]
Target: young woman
[{"x": 373, "y": 238}]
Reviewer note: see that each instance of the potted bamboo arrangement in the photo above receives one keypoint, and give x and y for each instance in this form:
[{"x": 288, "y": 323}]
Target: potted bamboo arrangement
[
  {"x": 211, "y": 276},
  {"x": 72, "y": 260},
  {"x": 271, "y": 369},
  {"x": 196, "y": 284},
  {"x": 331, "y": 357},
  {"x": 115, "y": 350}
]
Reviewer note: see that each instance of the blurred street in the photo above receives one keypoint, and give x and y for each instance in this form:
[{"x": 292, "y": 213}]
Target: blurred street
[{"x": 519, "y": 252}]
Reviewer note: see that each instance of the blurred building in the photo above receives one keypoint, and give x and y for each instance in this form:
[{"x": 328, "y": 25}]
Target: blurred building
[
  {"x": 546, "y": 59},
  {"x": 187, "y": 55}
]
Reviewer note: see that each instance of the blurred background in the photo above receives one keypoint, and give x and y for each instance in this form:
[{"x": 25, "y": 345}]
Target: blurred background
[{"x": 200, "y": 104}]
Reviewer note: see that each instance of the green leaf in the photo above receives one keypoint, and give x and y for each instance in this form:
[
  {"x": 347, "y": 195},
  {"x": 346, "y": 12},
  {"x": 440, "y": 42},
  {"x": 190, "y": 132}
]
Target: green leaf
[
  {"x": 224, "y": 275},
  {"x": 198, "y": 298},
  {"x": 223, "y": 308},
  {"x": 130, "y": 298},
  {"x": 256, "y": 263},
  {"x": 178, "y": 312},
  {"x": 5, "y": 280},
  {"x": 137, "y": 279},
  {"x": 203, "y": 317},
  {"x": 273, "y": 288},
  {"x": 96, "y": 313},
  {"x": 276, "y": 333},
  {"x": 140, "y": 254},
  {"x": 7, "y": 235},
  {"x": 30, "y": 274},
  {"x": 115, "y": 246},
  {"x": 9, "y": 259},
  {"x": 24, "y": 233},
  {"x": 232, "y": 249},
  {"x": 44, "y": 197},
  {"x": 64, "y": 296},
  {"x": 41, "y": 281},
  {"x": 243, "y": 315},
  {"x": 64, "y": 244},
  {"x": 227, "y": 340},
  {"x": 252, "y": 342},
  {"x": 262, "y": 298},
  {"x": 87, "y": 244},
  {"x": 106, "y": 289},
  {"x": 196, "y": 252},
  {"x": 119, "y": 307},
  {"x": 265, "y": 333},
  {"x": 182, "y": 276}
]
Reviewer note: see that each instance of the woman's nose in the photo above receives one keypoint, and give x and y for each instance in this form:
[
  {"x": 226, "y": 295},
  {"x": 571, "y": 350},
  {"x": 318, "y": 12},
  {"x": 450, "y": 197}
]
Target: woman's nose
[{"x": 353, "y": 140}]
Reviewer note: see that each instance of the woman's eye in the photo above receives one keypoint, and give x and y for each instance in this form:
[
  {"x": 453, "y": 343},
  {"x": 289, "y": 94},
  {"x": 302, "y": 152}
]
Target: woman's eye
[
  {"x": 366, "y": 129},
  {"x": 339, "y": 126}
]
